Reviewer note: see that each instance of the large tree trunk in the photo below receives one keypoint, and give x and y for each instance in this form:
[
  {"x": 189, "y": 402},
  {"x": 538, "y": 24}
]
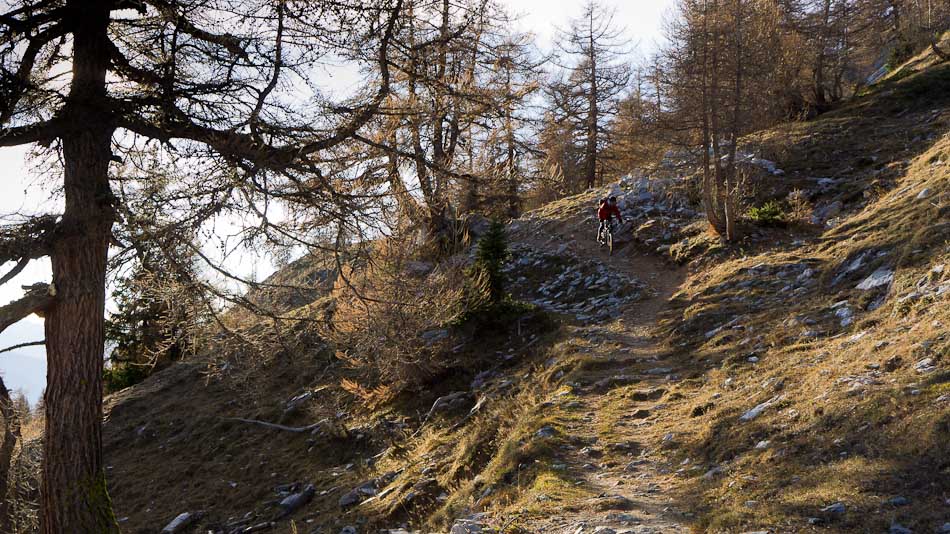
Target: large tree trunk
[{"x": 74, "y": 496}]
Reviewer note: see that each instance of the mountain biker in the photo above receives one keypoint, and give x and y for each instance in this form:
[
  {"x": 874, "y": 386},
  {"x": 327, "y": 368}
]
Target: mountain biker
[{"x": 606, "y": 212}]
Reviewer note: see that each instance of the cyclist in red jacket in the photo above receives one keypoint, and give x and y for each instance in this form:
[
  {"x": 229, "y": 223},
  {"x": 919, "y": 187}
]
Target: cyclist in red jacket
[{"x": 605, "y": 213}]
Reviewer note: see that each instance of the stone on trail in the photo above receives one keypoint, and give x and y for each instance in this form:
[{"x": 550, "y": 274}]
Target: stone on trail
[
  {"x": 348, "y": 530},
  {"x": 897, "y": 528}
]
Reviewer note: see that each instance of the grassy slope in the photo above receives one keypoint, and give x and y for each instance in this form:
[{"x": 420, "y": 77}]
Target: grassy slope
[
  {"x": 170, "y": 450},
  {"x": 846, "y": 427}
]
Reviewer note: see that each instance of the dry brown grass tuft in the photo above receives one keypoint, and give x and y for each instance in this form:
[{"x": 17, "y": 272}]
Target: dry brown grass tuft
[{"x": 389, "y": 320}]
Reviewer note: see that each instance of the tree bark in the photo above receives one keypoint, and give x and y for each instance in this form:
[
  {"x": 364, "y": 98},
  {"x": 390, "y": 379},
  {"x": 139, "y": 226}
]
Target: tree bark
[
  {"x": 74, "y": 496},
  {"x": 11, "y": 435}
]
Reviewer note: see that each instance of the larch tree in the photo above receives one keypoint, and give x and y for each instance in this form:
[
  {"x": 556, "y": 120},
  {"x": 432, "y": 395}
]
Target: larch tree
[
  {"x": 231, "y": 83},
  {"x": 512, "y": 78},
  {"x": 592, "y": 51},
  {"x": 430, "y": 107}
]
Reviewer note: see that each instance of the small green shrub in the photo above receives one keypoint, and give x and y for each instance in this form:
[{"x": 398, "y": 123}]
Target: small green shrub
[
  {"x": 121, "y": 376},
  {"x": 768, "y": 214},
  {"x": 490, "y": 258}
]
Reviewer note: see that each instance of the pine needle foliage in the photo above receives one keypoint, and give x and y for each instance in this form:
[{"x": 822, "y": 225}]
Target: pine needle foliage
[{"x": 490, "y": 258}]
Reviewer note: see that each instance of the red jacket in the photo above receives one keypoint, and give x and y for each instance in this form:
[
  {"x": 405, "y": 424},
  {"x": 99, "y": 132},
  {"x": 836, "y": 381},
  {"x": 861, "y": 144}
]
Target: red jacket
[{"x": 606, "y": 210}]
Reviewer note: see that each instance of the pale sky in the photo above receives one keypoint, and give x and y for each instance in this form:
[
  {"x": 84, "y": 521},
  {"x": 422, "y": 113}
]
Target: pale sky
[{"x": 19, "y": 192}]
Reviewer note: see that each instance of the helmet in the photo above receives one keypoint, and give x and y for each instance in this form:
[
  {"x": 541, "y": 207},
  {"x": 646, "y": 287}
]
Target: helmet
[{"x": 613, "y": 199}]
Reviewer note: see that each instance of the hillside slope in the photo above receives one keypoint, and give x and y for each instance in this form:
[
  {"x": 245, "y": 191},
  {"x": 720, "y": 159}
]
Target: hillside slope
[{"x": 796, "y": 382}]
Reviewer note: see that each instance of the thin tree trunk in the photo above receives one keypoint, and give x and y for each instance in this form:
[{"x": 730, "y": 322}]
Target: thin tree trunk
[
  {"x": 74, "y": 496},
  {"x": 511, "y": 167},
  {"x": 708, "y": 186},
  {"x": 716, "y": 130},
  {"x": 590, "y": 170},
  {"x": 11, "y": 435},
  {"x": 820, "y": 95},
  {"x": 729, "y": 206}
]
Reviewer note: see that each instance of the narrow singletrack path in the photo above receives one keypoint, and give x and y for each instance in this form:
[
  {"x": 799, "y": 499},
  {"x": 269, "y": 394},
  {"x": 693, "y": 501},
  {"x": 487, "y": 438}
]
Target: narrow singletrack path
[{"x": 621, "y": 466}]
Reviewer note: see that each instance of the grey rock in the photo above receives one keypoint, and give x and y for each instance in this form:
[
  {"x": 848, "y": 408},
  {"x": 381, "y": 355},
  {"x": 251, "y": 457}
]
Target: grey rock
[
  {"x": 349, "y": 499},
  {"x": 356, "y": 495},
  {"x": 181, "y": 522},
  {"x": 925, "y": 366},
  {"x": 659, "y": 371},
  {"x": 434, "y": 336},
  {"x": 882, "y": 276},
  {"x": 897, "y": 528},
  {"x": 546, "y": 432},
  {"x": 757, "y": 410},
  {"x": 925, "y": 193},
  {"x": 294, "y": 501},
  {"x": 349, "y": 529},
  {"x": 823, "y": 213},
  {"x": 944, "y": 529},
  {"x": 420, "y": 268},
  {"x": 450, "y": 402},
  {"x": 834, "y": 509},
  {"x": 898, "y": 501},
  {"x": 712, "y": 473},
  {"x": 466, "y": 526}
]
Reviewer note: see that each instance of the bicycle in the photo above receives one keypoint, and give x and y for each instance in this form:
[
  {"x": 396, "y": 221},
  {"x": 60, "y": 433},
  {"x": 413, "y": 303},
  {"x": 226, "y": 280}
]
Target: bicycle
[{"x": 605, "y": 235}]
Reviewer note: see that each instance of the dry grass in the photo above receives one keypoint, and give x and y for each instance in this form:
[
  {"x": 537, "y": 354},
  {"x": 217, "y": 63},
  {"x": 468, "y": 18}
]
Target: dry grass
[
  {"x": 846, "y": 427},
  {"x": 383, "y": 313}
]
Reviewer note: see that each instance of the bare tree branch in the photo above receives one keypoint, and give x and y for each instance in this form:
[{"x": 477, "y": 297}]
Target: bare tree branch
[
  {"x": 38, "y": 298},
  {"x": 23, "y": 345}
]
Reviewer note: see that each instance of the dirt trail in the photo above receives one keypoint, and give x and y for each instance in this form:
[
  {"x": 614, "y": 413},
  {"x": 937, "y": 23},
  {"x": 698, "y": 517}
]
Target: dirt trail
[{"x": 621, "y": 466}]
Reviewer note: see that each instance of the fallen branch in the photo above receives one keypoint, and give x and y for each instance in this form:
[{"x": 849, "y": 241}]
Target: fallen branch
[{"x": 275, "y": 426}]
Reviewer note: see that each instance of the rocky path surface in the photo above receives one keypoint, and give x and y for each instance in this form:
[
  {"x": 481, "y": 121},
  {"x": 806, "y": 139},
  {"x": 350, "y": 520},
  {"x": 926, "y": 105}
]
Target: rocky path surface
[{"x": 620, "y": 467}]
